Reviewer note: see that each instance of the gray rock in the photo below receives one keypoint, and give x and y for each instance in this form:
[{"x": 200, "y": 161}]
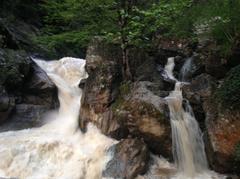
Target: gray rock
[
  {"x": 24, "y": 116},
  {"x": 40, "y": 81},
  {"x": 14, "y": 68},
  {"x": 130, "y": 158}
]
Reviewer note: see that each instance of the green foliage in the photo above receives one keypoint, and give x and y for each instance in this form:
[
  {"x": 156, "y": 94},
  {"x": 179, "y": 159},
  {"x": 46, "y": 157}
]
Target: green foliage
[
  {"x": 217, "y": 19},
  {"x": 15, "y": 9},
  {"x": 229, "y": 93},
  {"x": 73, "y": 23}
]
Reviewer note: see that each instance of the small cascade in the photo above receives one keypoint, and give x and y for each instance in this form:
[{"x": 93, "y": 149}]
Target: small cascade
[
  {"x": 188, "y": 146},
  {"x": 169, "y": 68},
  {"x": 57, "y": 149},
  {"x": 185, "y": 70}
]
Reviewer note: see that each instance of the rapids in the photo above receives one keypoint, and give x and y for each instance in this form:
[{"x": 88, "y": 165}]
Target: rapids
[{"x": 57, "y": 149}]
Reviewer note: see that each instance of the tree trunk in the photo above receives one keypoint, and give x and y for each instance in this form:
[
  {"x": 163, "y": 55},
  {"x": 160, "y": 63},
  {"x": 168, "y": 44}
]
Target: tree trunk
[{"x": 126, "y": 6}]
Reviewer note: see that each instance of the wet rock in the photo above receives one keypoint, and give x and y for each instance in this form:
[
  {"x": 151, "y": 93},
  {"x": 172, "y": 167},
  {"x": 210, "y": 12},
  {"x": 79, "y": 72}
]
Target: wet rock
[
  {"x": 6, "y": 105},
  {"x": 130, "y": 158},
  {"x": 40, "y": 81},
  {"x": 220, "y": 126},
  {"x": 146, "y": 115},
  {"x": 27, "y": 86},
  {"x": 39, "y": 89},
  {"x": 200, "y": 89},
  {"x": 192, "y": 67},
  {"x": 24, "y": 116},
  {"x": 223, "y": 135},
  {"x": 14, "y": 69},
  {"x": 101, "y": 88},
  {"x": 167, "y": 47},
  {"x": 152, "y": 72},
  {"x": 210, "y": 55}
]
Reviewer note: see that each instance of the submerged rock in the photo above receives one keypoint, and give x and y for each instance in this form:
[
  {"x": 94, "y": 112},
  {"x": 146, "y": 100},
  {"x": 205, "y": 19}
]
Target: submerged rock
[{"x": 130, "y": 158}]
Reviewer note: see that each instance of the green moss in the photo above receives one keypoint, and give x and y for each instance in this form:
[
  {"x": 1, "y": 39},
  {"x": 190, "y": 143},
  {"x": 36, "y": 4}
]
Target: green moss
[
  {"x": 229, "y": 93},
  {"x": 124, "y": 90}
]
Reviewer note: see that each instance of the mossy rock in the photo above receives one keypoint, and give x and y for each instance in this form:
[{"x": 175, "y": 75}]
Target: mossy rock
[
  {"x": 14, "y": 68},
  {"x": 229, "y": 93}
]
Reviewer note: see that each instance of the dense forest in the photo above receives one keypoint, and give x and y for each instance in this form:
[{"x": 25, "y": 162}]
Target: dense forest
[
  {"x": 127, "y": 45},
  {"x": 72, "y": 24}
]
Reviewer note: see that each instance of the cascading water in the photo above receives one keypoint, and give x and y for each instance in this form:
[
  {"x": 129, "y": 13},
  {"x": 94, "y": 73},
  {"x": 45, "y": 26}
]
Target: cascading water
[
  {"x": 188, "y": 146},
  {"x": 58, "y": 149},
  {"x": 185, "y": 70}
]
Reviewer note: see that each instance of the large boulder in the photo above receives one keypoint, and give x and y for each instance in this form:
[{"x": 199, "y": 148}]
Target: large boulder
[
  {"x": 223, "y": 135},
  {"x": 196, "y": 92},
  {"x": 24, "y": 116},
  {"x": 39, "y": 89},
  {"x": 130, "y": 158},
  {"x": 14, "y": 69},
  {"x": 146, "y": 116},
  {"x": 101, "y": 88},
  {"x": 26, "y": 91}
]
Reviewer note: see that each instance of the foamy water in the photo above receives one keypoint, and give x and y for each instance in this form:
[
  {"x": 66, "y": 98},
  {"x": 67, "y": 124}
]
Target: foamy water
[{"x": 58, "y": 149}]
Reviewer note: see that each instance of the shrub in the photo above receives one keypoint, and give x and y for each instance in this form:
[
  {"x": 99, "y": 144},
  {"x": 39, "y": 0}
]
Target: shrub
[{"x": 229, "y": 93}]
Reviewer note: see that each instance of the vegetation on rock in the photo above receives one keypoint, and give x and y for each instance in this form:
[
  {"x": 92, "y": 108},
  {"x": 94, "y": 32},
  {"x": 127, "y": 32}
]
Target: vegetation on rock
[{"x": 229, "y": 92}]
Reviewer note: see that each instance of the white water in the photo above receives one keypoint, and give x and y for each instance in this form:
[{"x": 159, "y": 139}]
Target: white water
[
  {"x": 57, "y": 150},
  {"x": 185, "y": 70},
  {"x": 188, "y": 146}
]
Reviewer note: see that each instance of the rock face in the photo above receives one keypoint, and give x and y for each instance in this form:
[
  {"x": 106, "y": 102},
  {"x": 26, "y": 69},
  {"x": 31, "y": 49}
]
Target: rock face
[
  {"x": 146, "y": 116},
  {"x": 122, "y": 109},
  {"x": 220, "y": 126},
  {"x": 26, "y": 92},
  {"x": 223, "y": 135},
  {"x": 130, "y": 158},
  {"x": 14, "y": 68},
  {"x": 101, "y": 89}
]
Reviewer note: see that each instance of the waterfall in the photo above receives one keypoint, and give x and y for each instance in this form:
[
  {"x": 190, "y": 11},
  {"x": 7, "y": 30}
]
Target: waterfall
[
  {"x": 188, "y": 146},
  {"x": 57, "y": 149}
]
